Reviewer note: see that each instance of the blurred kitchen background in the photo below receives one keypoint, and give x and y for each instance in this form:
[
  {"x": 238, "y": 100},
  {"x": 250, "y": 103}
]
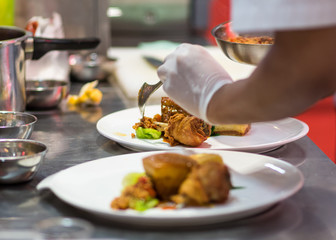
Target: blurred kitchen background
[
  {"x": 124, "y": 22},
  {"x": 123, "y": 25},
  {"x": 128, "y": 31},
  {"x": 127, "y": 25}
]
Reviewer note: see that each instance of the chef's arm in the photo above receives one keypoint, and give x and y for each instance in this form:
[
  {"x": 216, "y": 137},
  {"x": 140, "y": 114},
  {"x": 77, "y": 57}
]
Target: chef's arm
[{"x": 299, "y": 70}]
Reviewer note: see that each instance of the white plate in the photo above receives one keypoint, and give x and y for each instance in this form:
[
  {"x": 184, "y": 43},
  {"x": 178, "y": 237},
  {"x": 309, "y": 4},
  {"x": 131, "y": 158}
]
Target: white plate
[
  {"x": 262, "y": 137},
  {"x": 93, "y": 185}
]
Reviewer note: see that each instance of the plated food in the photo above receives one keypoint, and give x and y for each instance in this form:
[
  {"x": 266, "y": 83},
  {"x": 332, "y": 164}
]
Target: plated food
[
  {"x": 177, "y": 126},
  {"x": 262, "y": 137},
  {"x": 91, "y": 186},
  {"x": 173, "y": 180}
]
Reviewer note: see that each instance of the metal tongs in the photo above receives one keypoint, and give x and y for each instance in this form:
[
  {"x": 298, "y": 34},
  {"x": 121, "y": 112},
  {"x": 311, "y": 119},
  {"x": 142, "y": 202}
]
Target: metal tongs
[{"x": 147, "y": 89}]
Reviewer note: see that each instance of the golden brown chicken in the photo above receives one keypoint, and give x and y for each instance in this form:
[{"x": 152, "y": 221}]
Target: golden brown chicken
[
  {"x": 208, "y": 182},
  {"x": 172, "y": 178},
  {"x": 195, "y": 180},
  {"x": 179, "y": 127},
  {"x": 187, "y": 130},
  {"x": 167, "y": 171},
  {"x": 170, "y": 108}
]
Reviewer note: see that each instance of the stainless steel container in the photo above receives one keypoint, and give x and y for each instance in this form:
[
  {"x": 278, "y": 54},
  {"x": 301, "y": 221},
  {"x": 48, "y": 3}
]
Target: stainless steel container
[
  {"x": 241, "y": 52},
  {"x": 12, "y": 69},
  {"x": 16, "y": 125},
  {"x": 20, "y": 159},
  {"x": 17, "y": 45},
  {"x": 46, "y": 94}
]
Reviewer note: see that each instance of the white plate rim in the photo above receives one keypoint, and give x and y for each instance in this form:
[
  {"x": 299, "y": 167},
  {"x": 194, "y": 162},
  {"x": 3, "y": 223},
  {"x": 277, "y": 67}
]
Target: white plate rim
[
  {"x": 258, "y": 148},
  {"x": 210, "y": 217}
]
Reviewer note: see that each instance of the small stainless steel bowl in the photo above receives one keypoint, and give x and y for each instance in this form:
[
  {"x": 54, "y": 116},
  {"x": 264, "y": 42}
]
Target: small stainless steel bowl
[
  {"x": 86, "y": 68},
  {"x": 17, "y": 125},
  {"x": 20, "y": 159},
  {"x": 241, "y": 52},
  {"x": 45, "y": 94}
]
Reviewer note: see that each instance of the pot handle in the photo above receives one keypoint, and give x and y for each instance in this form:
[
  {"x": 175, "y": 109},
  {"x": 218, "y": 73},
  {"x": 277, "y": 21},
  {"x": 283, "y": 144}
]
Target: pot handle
[{"x": 44, "y": 45}]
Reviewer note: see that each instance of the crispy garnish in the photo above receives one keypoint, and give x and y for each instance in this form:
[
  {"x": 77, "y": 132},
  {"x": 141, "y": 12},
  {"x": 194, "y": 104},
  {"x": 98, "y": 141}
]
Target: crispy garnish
[{"x": 147, "y": 122}]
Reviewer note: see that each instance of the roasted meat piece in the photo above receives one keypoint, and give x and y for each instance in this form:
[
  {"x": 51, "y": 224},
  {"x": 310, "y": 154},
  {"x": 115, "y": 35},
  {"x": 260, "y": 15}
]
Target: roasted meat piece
[
  {"x": 208, "y": 157},
  {"x": 172, "y": 178},
  {"x": 170, "y": 108},
  {"x": 187, "y": 130},
  {"x": 167, "y": 171},
  {"x": 209, "y": 182}
]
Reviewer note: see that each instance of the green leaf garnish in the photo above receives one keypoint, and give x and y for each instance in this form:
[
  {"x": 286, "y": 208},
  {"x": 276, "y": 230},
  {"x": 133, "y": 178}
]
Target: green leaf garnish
[
  {"x": 131, "y": 179},
  {"x": 147, "y": 133},
  {"x": 142, "y": 205}
]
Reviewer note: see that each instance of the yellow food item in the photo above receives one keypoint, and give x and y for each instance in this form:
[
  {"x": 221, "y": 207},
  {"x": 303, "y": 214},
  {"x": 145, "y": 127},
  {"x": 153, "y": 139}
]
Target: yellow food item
[
  {"x": 207, "y": 183},
  {"x": 95, "y": 95},
  {"x": 206, "y": 157},
  {"x": 72, "y": 99},
  {"x": 83, "y": 98},
  {"x": 232, "y": 129},
  {"x": 88, "y": 95}
]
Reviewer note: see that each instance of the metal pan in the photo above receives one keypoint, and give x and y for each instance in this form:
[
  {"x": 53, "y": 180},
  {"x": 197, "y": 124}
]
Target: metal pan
[{"x": 18, "y": 45}]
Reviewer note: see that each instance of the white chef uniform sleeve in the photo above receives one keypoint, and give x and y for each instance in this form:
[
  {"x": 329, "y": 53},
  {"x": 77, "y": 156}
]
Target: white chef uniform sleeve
[{"x": 277, "y": 15}]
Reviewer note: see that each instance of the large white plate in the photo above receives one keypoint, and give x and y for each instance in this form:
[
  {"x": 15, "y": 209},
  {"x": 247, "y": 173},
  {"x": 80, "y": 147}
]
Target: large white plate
[
  {"x": 262, "y": 137},
  {"x": 93, "y": 185}
]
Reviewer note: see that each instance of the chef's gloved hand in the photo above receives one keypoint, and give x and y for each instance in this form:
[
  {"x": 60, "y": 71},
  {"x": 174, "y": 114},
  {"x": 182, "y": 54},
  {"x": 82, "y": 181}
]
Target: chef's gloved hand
[{"x": 191, "y": 76}]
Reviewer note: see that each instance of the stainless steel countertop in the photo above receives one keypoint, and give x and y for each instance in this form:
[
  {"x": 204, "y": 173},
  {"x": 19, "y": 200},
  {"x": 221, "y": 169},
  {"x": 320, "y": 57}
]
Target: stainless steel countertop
[{"x": 72, "y": 138}]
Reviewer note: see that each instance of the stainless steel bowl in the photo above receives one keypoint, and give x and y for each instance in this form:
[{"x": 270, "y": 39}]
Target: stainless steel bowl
[
  {"x": 240, "y": 52},
  {"x": 17, "y": 125},
  {"x": 86, "y": 68},
  {"x": 20, "y": 159},
  {"x": 45, "y": 94}
]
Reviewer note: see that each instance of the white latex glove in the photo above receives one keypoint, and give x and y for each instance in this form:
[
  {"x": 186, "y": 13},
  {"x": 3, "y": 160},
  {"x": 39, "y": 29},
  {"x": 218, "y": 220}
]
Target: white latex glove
[{"x": 191, "y": 76}]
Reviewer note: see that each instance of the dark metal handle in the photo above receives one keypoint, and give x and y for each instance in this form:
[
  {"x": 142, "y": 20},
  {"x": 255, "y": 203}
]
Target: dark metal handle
[{"x": 44, "y": 45}]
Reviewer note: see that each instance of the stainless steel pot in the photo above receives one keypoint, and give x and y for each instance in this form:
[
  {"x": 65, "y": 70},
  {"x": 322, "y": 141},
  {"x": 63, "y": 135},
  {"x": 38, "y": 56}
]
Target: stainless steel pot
[{"x": 16, "y": 46}]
